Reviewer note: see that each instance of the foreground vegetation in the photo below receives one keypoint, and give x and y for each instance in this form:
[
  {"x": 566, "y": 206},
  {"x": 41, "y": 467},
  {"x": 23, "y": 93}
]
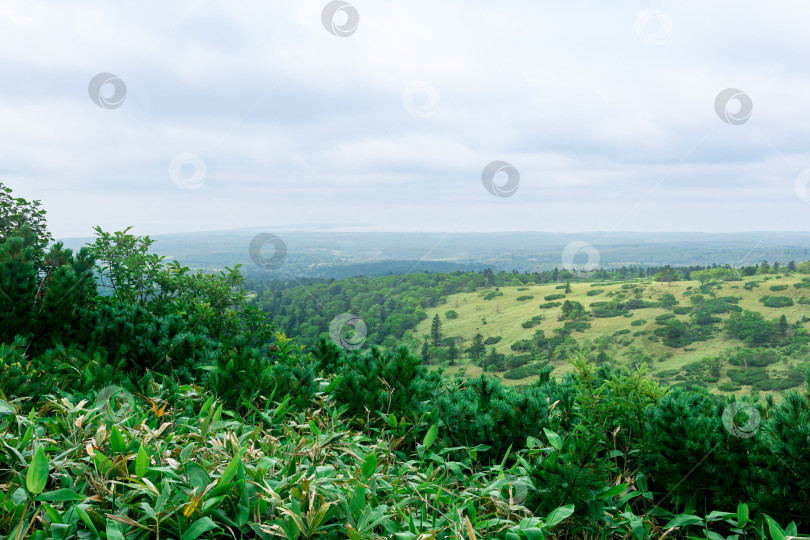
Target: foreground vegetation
[{"x": 141, "y": 400}]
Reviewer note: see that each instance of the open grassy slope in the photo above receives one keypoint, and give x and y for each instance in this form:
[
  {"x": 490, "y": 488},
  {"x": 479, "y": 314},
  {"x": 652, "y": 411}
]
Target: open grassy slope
[{"x": 502, "y": 316}]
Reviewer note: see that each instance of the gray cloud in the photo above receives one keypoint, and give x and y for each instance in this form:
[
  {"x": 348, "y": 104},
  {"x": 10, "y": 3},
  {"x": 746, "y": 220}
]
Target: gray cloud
[{"x": 608, "y": 130}]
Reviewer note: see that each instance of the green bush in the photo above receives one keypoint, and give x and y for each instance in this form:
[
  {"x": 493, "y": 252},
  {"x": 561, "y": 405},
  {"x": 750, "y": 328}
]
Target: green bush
[
  {"x": 534, "y": 321},
  {"x": 553, "y": 297},
  {"x": 521, "y": 345},
  {"x": 778, "y": 287},
  {"x": 451, "y": 314},
  {"x": 595, "y": 292},
  {"x": 492, "y": 340},
  {"x": 638, "y": 322},
  {"x": 524, "y": 298},
  {"x": 520, "y": 372},
  {"x": 576, "y": 326},
  {"x": 776, "y": 301},
  {"x": 550, "y": 305},
  {"x": 662, "y": 319}
]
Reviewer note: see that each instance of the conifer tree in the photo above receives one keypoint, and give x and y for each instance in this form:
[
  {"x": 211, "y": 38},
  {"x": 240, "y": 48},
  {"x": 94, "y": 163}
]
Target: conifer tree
[{"x": 436, "y": 331}]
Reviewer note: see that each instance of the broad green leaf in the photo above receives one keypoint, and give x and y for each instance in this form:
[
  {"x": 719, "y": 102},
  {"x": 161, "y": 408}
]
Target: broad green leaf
[
  {"x": 612, "y": 492},
  {"x": 186, "y": 452},
  {"x": 6, "y": 409},
  {"x": 334, "y": 384},
  {"x": 553, "y": 439},
  {"x": 86, "y": 519},
  {"x": 52, "y": 513},
  {"x": 113, "y": 531},
  {"x": 352, "y": 533},
  {"x": 201, "y": 526},
  {"x": 742, "y": 515},
  {"x": 369, "y": 465},
  {"x": 641, "y": 482},
  {"x": 230, "y": 470},
  {"x": 776, "y": 531},
  {"x": 684, "y": 519},
  {"x": 206, "y": 405},
  {"x": 430, "y": 436},
  {"x": 63, "y": 494},
  {"x": 117, "y": 440},
  {"x": 197, "y": 476},
  {"x": 141, "y": 462},
  {"x": 559, "y": 514},
  {"x": 37, "y": 475},
  {"x": 533, "y": 534},
  {"x": 101, "y": 461}
]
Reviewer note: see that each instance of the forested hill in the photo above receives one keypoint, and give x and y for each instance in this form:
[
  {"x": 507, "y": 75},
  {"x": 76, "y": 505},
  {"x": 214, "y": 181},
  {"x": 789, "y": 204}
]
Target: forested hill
[{"x": 392, "y": 305}]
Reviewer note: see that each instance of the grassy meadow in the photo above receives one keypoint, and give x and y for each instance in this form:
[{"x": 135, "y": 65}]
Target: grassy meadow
[{"x": 503, "y": 316}]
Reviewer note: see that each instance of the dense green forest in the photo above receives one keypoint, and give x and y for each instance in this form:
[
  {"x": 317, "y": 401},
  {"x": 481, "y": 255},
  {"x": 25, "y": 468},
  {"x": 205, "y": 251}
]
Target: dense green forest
[{"x": 140, "y": 399}]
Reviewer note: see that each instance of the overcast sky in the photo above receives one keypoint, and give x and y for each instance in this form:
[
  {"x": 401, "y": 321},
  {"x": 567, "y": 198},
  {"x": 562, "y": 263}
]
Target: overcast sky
[{"x": 246, "y": 114}]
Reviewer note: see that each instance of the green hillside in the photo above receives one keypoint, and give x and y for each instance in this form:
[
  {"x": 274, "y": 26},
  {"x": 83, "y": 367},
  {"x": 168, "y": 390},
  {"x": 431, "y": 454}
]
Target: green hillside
[{"x": 629, "y": 338}]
